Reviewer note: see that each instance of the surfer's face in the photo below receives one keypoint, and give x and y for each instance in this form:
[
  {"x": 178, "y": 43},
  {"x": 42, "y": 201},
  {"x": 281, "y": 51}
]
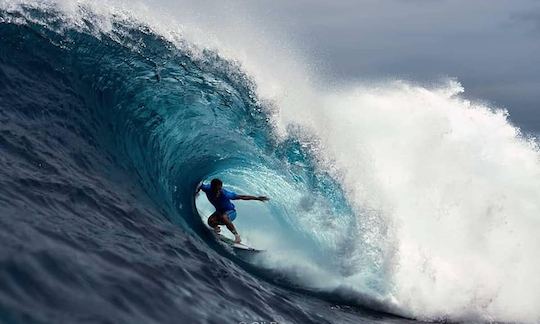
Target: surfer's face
[{"x": 216, "y": 188}]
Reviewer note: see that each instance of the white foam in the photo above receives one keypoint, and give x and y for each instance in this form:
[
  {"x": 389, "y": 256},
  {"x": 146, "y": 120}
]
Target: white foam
[{"x": 457, "y": 188}]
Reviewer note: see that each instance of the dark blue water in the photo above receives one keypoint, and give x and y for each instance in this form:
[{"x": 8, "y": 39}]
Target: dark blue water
[{"x": 103, "y": 138}]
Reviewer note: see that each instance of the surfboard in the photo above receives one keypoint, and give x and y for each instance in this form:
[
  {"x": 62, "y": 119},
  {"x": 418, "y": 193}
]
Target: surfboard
[{"x": 238, "y": 246}]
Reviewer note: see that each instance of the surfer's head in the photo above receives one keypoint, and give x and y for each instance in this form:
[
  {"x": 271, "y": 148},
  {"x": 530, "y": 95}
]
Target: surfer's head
[{"x": 215, "y": 186}]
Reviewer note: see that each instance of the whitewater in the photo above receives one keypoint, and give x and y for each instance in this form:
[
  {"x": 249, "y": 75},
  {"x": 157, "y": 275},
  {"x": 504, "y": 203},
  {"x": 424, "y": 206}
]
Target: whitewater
[{"x": 390, "y": 201}]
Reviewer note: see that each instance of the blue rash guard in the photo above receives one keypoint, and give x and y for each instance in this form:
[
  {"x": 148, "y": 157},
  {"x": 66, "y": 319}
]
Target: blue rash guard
[{"x": 223, "y": 202}]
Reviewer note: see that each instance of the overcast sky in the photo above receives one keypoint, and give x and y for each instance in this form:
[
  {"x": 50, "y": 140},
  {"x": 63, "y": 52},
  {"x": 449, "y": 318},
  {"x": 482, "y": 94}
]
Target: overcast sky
[{"x": 491, "y": 46}]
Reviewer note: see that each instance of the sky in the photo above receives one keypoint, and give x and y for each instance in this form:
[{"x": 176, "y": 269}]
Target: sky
[{"x": 491, "y": 46}]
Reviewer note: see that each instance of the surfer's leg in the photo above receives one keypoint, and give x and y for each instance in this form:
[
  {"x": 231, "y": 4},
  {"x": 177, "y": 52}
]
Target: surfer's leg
[
  {"x": 229, "y": 224},
  {"x": 225, "y": 220},
  {"x": 213, "y": 222}
]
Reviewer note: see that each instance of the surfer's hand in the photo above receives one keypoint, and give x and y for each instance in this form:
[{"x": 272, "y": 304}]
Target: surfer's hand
[{"x": 263, "y": 198}]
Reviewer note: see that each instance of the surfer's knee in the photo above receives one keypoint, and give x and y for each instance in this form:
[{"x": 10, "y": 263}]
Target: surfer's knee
[
  {"x": 225, "y": 219},
  {"x": 212, "y": 221}
]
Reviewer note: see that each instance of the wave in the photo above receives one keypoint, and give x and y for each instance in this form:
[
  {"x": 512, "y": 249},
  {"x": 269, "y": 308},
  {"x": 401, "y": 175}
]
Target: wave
[{"x": 394, "y": 196}]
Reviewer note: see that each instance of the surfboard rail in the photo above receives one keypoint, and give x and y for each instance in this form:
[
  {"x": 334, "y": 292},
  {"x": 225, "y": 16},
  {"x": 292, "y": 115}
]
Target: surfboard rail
[{"x": 240, "y": 246}]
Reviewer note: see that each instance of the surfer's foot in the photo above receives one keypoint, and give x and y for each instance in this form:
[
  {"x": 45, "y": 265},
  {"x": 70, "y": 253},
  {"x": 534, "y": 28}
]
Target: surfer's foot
[
  {"x": 217, "y": 230},
  {"x": 237, "y": 238}
]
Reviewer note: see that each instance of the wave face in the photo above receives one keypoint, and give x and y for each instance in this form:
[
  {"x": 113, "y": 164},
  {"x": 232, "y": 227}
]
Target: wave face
[
  {"x": 395, "y": 198},
  {"x": 104, "y": 137}
]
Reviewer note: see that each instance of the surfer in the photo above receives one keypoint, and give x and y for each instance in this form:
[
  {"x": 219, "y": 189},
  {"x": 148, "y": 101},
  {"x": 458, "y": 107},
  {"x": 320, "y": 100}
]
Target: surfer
[{"x": 225, "y": 212}]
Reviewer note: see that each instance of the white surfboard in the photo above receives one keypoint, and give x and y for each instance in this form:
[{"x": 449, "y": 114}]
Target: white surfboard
[{"x": 239, "y": 246}]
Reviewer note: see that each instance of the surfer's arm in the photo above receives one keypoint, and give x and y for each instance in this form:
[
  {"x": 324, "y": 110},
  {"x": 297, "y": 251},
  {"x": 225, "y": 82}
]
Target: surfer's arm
[
  {"x": 199, "y": 187},
  {"x": 247, "y": 197}
]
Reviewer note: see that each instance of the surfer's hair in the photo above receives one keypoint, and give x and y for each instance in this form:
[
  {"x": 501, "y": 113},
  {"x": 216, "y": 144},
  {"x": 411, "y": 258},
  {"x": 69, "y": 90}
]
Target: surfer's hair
[{"x": 215, "y": 185}]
